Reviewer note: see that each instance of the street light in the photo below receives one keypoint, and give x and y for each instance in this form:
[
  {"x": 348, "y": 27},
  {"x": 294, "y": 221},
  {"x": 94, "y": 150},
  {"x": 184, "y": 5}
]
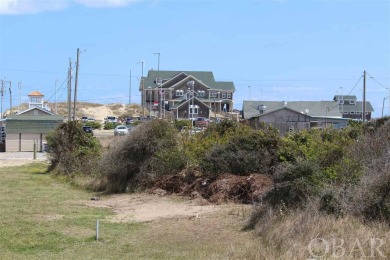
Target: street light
[{"x": 383, "y": 106}]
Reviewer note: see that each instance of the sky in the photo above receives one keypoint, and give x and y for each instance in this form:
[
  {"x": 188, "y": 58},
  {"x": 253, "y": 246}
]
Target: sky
[{"x": 273, "y": 50}]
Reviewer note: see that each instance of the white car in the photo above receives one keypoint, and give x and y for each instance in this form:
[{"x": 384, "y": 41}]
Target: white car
[{"x": 121, "y": 130}]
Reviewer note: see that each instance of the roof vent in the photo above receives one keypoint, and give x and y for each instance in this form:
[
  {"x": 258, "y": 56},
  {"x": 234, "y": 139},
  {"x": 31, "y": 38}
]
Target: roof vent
[{"x": 284, "y": 103}]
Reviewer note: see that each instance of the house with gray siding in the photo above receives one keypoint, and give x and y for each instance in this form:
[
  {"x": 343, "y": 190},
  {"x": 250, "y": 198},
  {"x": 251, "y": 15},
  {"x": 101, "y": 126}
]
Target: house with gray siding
[
  {"x": 175, "y": 92},
  {"x": 298, "y": 115}
]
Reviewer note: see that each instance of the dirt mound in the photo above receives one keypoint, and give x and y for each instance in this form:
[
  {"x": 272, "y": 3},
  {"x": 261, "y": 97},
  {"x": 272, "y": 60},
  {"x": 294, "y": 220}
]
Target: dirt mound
[{"x": 215, "y": 189}]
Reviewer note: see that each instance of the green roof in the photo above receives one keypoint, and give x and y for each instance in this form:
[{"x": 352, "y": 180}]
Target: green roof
[
  {"x": 206, "y": 77},
  {"x": 32, "y": 124}
]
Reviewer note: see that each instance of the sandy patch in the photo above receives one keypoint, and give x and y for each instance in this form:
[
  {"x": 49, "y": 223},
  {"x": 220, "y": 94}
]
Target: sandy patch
[{"x": 147, "y": 207}]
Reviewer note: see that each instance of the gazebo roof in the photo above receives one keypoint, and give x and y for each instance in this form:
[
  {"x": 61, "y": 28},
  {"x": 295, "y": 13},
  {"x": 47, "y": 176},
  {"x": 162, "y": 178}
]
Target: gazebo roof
[{"x": 35, "y": 94}]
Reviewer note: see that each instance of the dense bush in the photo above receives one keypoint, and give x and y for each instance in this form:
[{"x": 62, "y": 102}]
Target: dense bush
[
  {"x": 94, "y": 125},
  {"x": 370, "y": 196},
  {"x": 71, "y": 150},
  {"x": 295, "y": 183},
  {"x": 242, "y": 154},
  {"x": 180, "y": 124},
  {"x": 125, "y": 160},
  {"x": 109, "y": 126}
]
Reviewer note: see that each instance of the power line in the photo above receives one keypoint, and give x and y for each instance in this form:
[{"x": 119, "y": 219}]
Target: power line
[{"x": 372, "y": 77}]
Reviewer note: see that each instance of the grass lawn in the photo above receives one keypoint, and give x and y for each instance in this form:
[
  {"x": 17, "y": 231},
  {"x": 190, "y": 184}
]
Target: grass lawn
[{"x": 45, "y": 218}]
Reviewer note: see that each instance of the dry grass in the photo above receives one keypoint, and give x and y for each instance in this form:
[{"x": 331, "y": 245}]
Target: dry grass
[{"x": 307, "y": 234}]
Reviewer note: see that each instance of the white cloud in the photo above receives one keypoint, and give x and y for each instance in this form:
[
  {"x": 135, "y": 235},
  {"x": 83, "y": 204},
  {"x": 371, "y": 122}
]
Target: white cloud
[
  {"x": 105, "y": 3},
  {"x": 30, "y": 6},
  {"x": 12, "y": 7}
]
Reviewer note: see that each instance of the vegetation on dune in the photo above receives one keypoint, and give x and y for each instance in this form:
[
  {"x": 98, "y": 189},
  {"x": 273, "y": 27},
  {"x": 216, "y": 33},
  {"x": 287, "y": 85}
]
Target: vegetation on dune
[
  {"x": 71, "y": 150},
  {"x": 337, "y": 178}
]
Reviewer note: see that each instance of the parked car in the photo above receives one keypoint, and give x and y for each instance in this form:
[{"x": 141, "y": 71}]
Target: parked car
[
  {"x": 90, "y": 119},
  {"x": 121, "y": 130},
  {"x": 201, "y": 122},
  {"x": 129, "y": 120},
  {"x": 111, "y": 119},
  {"x": 88, "y": 129}
]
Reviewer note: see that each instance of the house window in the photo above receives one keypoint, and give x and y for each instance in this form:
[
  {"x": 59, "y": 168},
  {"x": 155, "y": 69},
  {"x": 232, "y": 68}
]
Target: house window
[
  {"x": 194, "y": 109},
  {"x": 36, "y": 100},
  {"x": 201, "y": 93},
  {"x": 229, "y": 95},
  {"x": 358, "y": 113},
  {"x": 352, "y": 102},
  {"x": 352, "y": 112},
  {"x": 213, "y": 94},
  {"x": 341, "y": 102},
  {"x": 179, "y": 93},
  {"x": 223, "y": 94},
  {"x": 345, "y": 112}
]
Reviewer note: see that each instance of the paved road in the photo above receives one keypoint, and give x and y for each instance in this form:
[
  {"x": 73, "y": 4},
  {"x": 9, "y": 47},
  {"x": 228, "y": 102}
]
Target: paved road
[{"x": 101, "y": 133}]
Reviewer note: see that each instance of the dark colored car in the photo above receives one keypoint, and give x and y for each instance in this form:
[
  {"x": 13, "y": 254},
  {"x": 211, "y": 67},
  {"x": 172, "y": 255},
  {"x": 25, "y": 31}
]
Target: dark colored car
[
  {"x": 88, "y": 129},
  {"x": 129, "y": 120}
]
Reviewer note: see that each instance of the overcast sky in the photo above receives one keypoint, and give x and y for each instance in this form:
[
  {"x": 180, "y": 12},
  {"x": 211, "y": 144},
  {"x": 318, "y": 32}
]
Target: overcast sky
[{"x": 271, "y": 49}]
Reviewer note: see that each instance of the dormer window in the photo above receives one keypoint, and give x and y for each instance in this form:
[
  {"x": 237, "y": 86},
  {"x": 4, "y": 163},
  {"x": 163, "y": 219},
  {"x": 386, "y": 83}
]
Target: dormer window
[{"x": 229, "y": 95}]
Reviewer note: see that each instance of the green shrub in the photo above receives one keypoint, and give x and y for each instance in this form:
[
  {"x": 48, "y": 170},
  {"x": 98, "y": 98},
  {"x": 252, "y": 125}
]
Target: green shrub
[
  {"x": 255, "y": 151},
  {"x": 71, "y": 150},
  {"x": 179, "y": 124},
  {"x": 109, "y": 126},
  {"x": 122, "y": 164},
  {"x": 94, "y": 125},
  {"x": 295, "y": 183}
]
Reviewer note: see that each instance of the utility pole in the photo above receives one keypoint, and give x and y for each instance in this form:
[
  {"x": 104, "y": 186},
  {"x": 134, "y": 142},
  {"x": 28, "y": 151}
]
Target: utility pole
[
  {"x": 2, "y": 96},
  {"x": 364, "y": 96},
  {"x": 142, "y": 88},
  {"x": 158, "y": 60},
  {"x": 75, "y": 84},
  {"x": 10, "y": 98},
  {"x": 20, "y": 94},
  {"x": 69, "y": 90},
  {"x": 55, "y": 95},
  {"x": 130, "y": 89}
]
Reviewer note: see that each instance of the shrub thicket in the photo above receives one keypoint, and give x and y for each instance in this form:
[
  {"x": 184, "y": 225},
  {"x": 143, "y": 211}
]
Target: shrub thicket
[
  {"x": 243, "y": 153},
  {"x": 71, "y": 150},
  {"x": 94, "y": 125},
  {"x": 109, "y": 126},
  {"x": 124, "y": 161}
]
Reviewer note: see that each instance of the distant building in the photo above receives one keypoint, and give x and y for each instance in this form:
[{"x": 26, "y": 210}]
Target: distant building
[
  {"x": 30, "y": 126},
  {"x": 173, "y": 92},
  {"x": 298, "y": 115},
  {"x": 36, "y": 100}
]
